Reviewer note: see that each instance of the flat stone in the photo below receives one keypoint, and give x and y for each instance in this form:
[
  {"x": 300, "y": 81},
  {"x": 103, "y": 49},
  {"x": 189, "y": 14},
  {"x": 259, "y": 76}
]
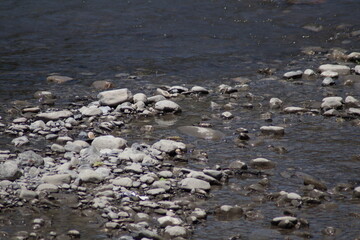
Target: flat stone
[
  {"x": 76, "y": 146},
  {"x": 201, "y": 132},
  {"x": 57, "y": 179},
  {"x": 9, "y": 171},
  {"x": 55, "y": 115},
  {"x": 294, "y": 110},
  {"x": 89, "y": 175},
  {"x": 354, "y": 56},
  {"x": 20, "y": 141},
  {"x": 58, "y": 79},
  {"x": 167, "y": 106},
  {"x": 340, "y": 69},
  {"x": 237, "y": 164},
  {"x": 169, "y": 146},
  {"x": 108, "y": 142},
  {"x": 169, "y": 221},
  {"x": 47, "y": 187},
  {"x": 262, "y": 163},
  {"x": 175, "y": 231},
  {"x": 275, "y": 130},
  {"x": 293, "y": 74},
  {"x": 357, "y": 192},
  {"x": 350, "y": 101},
  {"x": 332, "y": 102},
  {"x": 193, "y": 183},
  {"x": 134, "y": 167},
  {"x": 90, "y": 111},
  {"x": 329, "y": 74},
  {"x": 57, "y": 148},
  {"x": 155, "y": 191},
  {"x": 102, "y": 84},
  {"x": 199, "y": 89},
  {"x": 309, "y": 72},
  {"x": 354, "y": 111},
  {"x": 114, "y": 97},
  {"x": 27, "y": 194},
  {"x": 140, "y": 97},
  {"x": 30, "y": 158}
]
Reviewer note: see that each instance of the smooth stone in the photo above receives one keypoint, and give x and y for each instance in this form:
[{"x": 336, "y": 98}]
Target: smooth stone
[
  {"x": 310, "y": 180},
  {"x": 340, "y": 69},
  {"x": 169, "y": 146},
  {"x": 357, "y": 69},
  {"x": 167, "y": 106},
  {"x": 112, "y": 225},
  {"x": 169, "y": 221},
  {"x": 155, "y": 191},
  {"x": 134, "y": 167},
  {"x": 213, "y": 173},
  {"x": 293, "y": 74},
  {"x": 102, "y": 84},
  {"x": 58, "y": 79},
  {"x": 277, "y": 220},
  {"x": 293, "y": 196},
  {"x": 90, "y": 111},
  {"x": 354, "y": 56},
  {"x": 357, "y": 192},
  {"x": 350, "y": 101},
  {"x": 227, "y": 115},
  {"x": 165, "y": 174},
  {"x": 123, "y": 182},
  {"x": 166, "y": 185},
  {"x": 275, "y": 103},
  {"x": 57, "y": 179},
  {"x": 89, "y": 175},
  {"x": 140, "y": 97},
  {"x": 201, "y": 132},
  {"x": 39, "y": 124},
  {"x": 114, "y": 97},
  {"x": 175, "y": 231},
  {"x": 74, "y": 233},
  {"x": 55, "y": 115},
  {"x": 156, "y": 98},
  {"x": 331, "y": 102},
  {"x": 329, "y": 74},
  {"x": 108, "y": 142},
  {"x": 47, "y": 187},
  {"x": 43, "y": 95},
  {"x": 27, "y": 194},
  {"x": 30, "y": 158},
  {"x": 193, "y": 183},
  {"x": 9, "y": 171},
  {"x": 237, "y": 164},
  {"x": 328, "y": 81},
  {"x": 294, "y": 110},
  {"x": 199, "y": 89},
  {"x": 309, "y": 72},
  {"x": 275, "y": 130},
  {"x": 203, "y": 176},
  {"x": 57, "y": 148},
  {"x": 177, "y": 89},
  {"x": 262, "y": 163},
  {"x": 20, "y": 141},
  {"x": 90, "y": 155},
  {"x": 76, "y": 146},
  {"x": 354, "y": 111}
]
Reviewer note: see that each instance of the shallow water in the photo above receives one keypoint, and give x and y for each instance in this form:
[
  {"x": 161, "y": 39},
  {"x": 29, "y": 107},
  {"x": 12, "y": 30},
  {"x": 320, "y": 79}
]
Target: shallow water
[{"x": 199, "y": 43}]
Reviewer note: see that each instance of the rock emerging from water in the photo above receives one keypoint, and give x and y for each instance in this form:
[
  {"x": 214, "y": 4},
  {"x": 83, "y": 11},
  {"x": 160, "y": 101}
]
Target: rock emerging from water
[
  {"x": 114, "y": 97},
  {"x": 9, "y": 171}
]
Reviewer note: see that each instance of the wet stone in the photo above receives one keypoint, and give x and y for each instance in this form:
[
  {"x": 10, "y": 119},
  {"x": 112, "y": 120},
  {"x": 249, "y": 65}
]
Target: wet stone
[
  {"x": 272, "y": 130},
  {"x": 328, "y": 81},
  {"x": 329, "y": 74},
  {"x": 275, "y": 103},
  {"x": 340, "y": 69},
  {"x": 237, "y": 165},
  {"x": 169, "y": 146},
  {"x": 47, "y": 187},
  {"x": 295, "y": 110},
  {"x": 262, "y": 163},
  {"x": 175, "y": 231},
  {"x": 199, "y": 89},
  {"x": 332, "y": 102},
  {"x": 102, "y": 84},
  {"x": 9, "y": 171},
  {"x": 357, "y": 192},
  {"x": 167, "y": 106},
  {"x": 354, "y": 111},
  {"x": 284, "y": 222},
  {"x": 169, "y": 221},
  {"x": 58, "y": 79},
  {"x": 193, "y": 183},
  {"x": 309, "y": 72},
  {"x": 114, "y": 97},
  {"x": 293, "y": 74}
]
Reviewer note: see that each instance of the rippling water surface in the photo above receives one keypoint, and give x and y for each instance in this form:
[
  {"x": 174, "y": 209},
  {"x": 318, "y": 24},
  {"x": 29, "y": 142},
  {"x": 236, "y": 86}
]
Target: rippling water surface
[{"x": 199, "y": 43}]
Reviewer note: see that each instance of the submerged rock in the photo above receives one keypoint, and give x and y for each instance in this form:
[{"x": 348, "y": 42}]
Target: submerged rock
[
  {"x": 201, "y": 132},
  {"x": 58, "y": 79}
]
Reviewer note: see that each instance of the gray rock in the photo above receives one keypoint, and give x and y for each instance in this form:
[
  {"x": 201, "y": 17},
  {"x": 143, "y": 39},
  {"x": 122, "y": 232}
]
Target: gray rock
[
  {"x": 47, "y": 187},
  {"x": 156, "y": 98},
  {"x": 294, "y": 110},
  {"x": 90, "y": 111},
  {"x": 357, "y": 192},
  {"x": 199, "y": 89},
  {"x": 114, "y": 97},
  {"x": 328, "y": 81},
  {"x": 350, "y": 101},
  {"x": 57, "y": 148},
  {"x": 57, "y": 179},
  {"x": 134, "y": 167},
  {"x": 89, "y": 175},
  {"x": 58, "y": 79},
  {"x": 9, "y": 171},
  {"x": 293, "y": 74},
  {"x": 275, "y": 103},
  {"x": 262, "y": 163},
  {"x": 30, "y": 158},
  {"x": 108, "y": 142},
  {"x": 167, "y": 106},
  {"x": 311, "y": 180},
  {"x": 329, "y": 74},
  {"x": 354, "y": 111},
  {"x": 227, "y": 115},
  {"x": 203, "y": 176},
  {"x": 284, "y": 222},
  {"x": 76, "y": 146},
  {"x": 166, "y": 185},
  {"x": 340, "y": 69},
  {"x": 169, "y": 146},
  {"x": 43, "y": 95},
  {"x": 55, "y": 115},
  {"x": 18, "y": 142},
  {"x": 130, "y": 154},
  {"x": 123, "y": 182},
  {"x": 274, "y": 130},
  {"x": 155, "y": 191},
  {"x": 165, "y": 174},
  {"x": 237, "y": 165},
  {"x": 357, "y": 69},
  {"x": 39, "y": 124},
  {"x": 169, "y": 221},
  {"x": 27, "y": 194},
  {"x": 354, "y": 56},
  {"x": 213, "y": 173},
  {"x": 309, "y": 72},
  {"x": 140, "y": 97},
  {"x": 332, "y": 102},
  {"x": 193, "y": 183},
  {"x": 201, "y": 132},
  {"x": 90, "y": 155},
  {"x": 175, "y": 231}
]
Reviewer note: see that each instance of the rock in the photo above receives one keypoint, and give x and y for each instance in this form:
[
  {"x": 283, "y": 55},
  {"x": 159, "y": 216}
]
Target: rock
[
  {"x": 156, "y": 98},
  {"x": 9, "y": 171},
  {"x": 198, "y": 89},
  {"x": 354, "y": 56},
  {"x": 332, "y": 102},
  {"x": 328, "y": 81},
  {"x": 227, "y": 115},
  {"x": 166, "y": 185},
  {"x": 310, "y": 180},
  {"x": 76, "y": 146},
  {"x": 47, "y": 187},
  {"x": 356, "y": 192},
  {"x": 262, "y": 163},
  {"x": 90, "y": 155},
  {"x": 55, "y": 115},
  {"x": 58, "y": 79},
  {"x": 140, "y": 97},
  {"x": 272, "y": 130},
  {"x": 169, "y": 221},
  {"x": 293, "y": 74},
  {"x": 354, "y": 111},
  {"x": 293, "y": 196},
  {"x": 214, "y": 173},
  {"x": 167, "y": 106},
  {"x": 350, "y": 101},
  {"x": 123, "y": 182},
  {"x": 309, "y": 72},
  {"x": 90, "y": 111},
  {"x": 169, "y": 146},
  {"x": 275, "y": 103},
  {"x": 236, "y": 165},
  {"x": 108, "y": 142},
  {"x": 39, "y": 124},
  {"x": 203, "y": 176},
  {"x": 57, "y": 179},
  {"x": 74, "y": 233},
  {"x": 18, "y": 142},
  {"x": 155, "y": 191},
  {"x": 177, "y": 89},
  {"x": 102, "y": 85},
  {"x": 57, "y": 148},
  {"x": 165, "y": 174},
  {"x": 340, "y": 69},
  {"x": 357, "y": 69},
  {"x": 27, "y": 194},
  {"x": 89, "y": 175},
  {"x": 134, "y": 167},
  {"x": 43, "y": 95},
  {"x": 30, "y": 158},
  {"x": 295, "y": 110},
  {"x": 201, "y": 132},
  {"x": 228, "y": 212},
  {"x": 329, "y": 74},
  {"x": 284, "y": 222},
  {"x": 175, "y": 231},
  {"x": 112, "y": 225},
  {"x": 114, "y": 97},
  {"x": 193, "y": 183}
]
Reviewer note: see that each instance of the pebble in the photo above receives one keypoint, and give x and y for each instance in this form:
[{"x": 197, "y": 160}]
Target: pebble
[
  {"x": 350, "y": 101},
  {"x": 328, "y": 81},
  {"x": 193, "y": 183},
  {"x": 114, "y": 97},
  {"x": 275, "y": 103},
  {"x": 199, "y": 89},
  {"x": 47, "y": 187},
  {"x": 272, "y": 130},
  {"x": 90, "y": 111},
  {"x": 169, "y": 146},
  {"x": 102, "y": 84},
  {"x": 58, "y": 79},
  {"x": 293, "y": 74},
  {"x": 284, "y": 222},
  {"x": 262, "y": 163},
  {"x": 340, "y": 69},
  {"x": 57, "y": 179},
  {"x": 309, "y": 72},
  {"x": 332, "y": 102},
  {"x": 227, "y": 115},
  {"x": 123, "y": 182},
  {"x": 167, "y": 106},
  {"x": 108, "y": 142}
]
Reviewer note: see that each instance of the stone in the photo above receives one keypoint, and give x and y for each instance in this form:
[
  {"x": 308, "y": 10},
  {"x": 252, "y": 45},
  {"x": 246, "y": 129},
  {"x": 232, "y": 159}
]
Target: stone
[
  {"x": 332, "y": 102},
  {"x": 30, "y": 158},
  {"x": 167, "y": 106},
  {"x": 102, "y": 85},
  {"x": 340, "y": 69},
  {"x": 47, "y": 187},
  {"x": 89, "y": 175},
  {"x": 350, "y": 101},
  {"x": 284, "y": 222},
  {"x": 272, "y": 130},
  {"x": 227, "y": 115},
  {"x": 293, "y": 196},
  {"x": 199, "y": 89},
  {"x": 108, "y": 142},
  {"x": 76, "y": 146},
  {"x": 214, "y": 173},
  {"x": 169, "y": 146},
  {"x": 354, "y": 111},
  {"x": 156, "y": 98},
  {"x": 328, "y": 81},
  {"x": 262, "y": 163},
  {"x": 237, "y": 165},
  {"x": 140, "y": 97},
  {"x": 310, "y": 180},
  {"x": 155, "y": 191},
  {"x": 169, "y": 221},
  {"x": 356, "y": 192},
  {"x": 57, "y": 179},
  {"x": 9, "y": 171},
  {"x": 354, "y": 56},
  {"x": 57, "y": 148},
  {"x": 134, "y": 167},
  {"x": 193, "y": 184},
  {"x": 90, "y": 155},
  {"x": 20, "y": 141},
  {"x": 165, "y": 174},
  {"x": 293, "y": 74},
  {"x": 39, "y": 124},
  {"x": 175, "y": 231},
  {"x": 357, "y": 69},
  {"x": 166, "y": 185},
  {"x": 309, "y": 72},
  {"x": 177, "y": 89},
  {"x": 329, "y": 74},
  {"x": 90, "y": 111},
  {"x": 202, "y": 132},
  {"x": 58, "y": 79},
  {"x": 27, "y": 194},
  {"x": 55, "y": 115},
  {"x": 123, "y": 182},
  {"x": 203, "y": 176},
  {"x": 114, "y": 97},
  {"x": 43, "y": 95},
  {"x": 295, "y": 110},
  {"x": 275, "y": 103}
]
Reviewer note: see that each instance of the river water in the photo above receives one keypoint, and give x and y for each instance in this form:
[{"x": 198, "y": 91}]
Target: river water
[{"x": 200, "y": 43}]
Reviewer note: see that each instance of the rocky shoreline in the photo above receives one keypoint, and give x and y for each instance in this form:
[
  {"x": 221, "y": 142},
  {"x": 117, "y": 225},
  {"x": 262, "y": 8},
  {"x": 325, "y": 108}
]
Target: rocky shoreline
[{"x": 147, "y": 191}]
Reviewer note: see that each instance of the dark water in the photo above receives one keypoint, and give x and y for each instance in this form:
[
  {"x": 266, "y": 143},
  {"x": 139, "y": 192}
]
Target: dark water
[{"x": 204, "y": 43}]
